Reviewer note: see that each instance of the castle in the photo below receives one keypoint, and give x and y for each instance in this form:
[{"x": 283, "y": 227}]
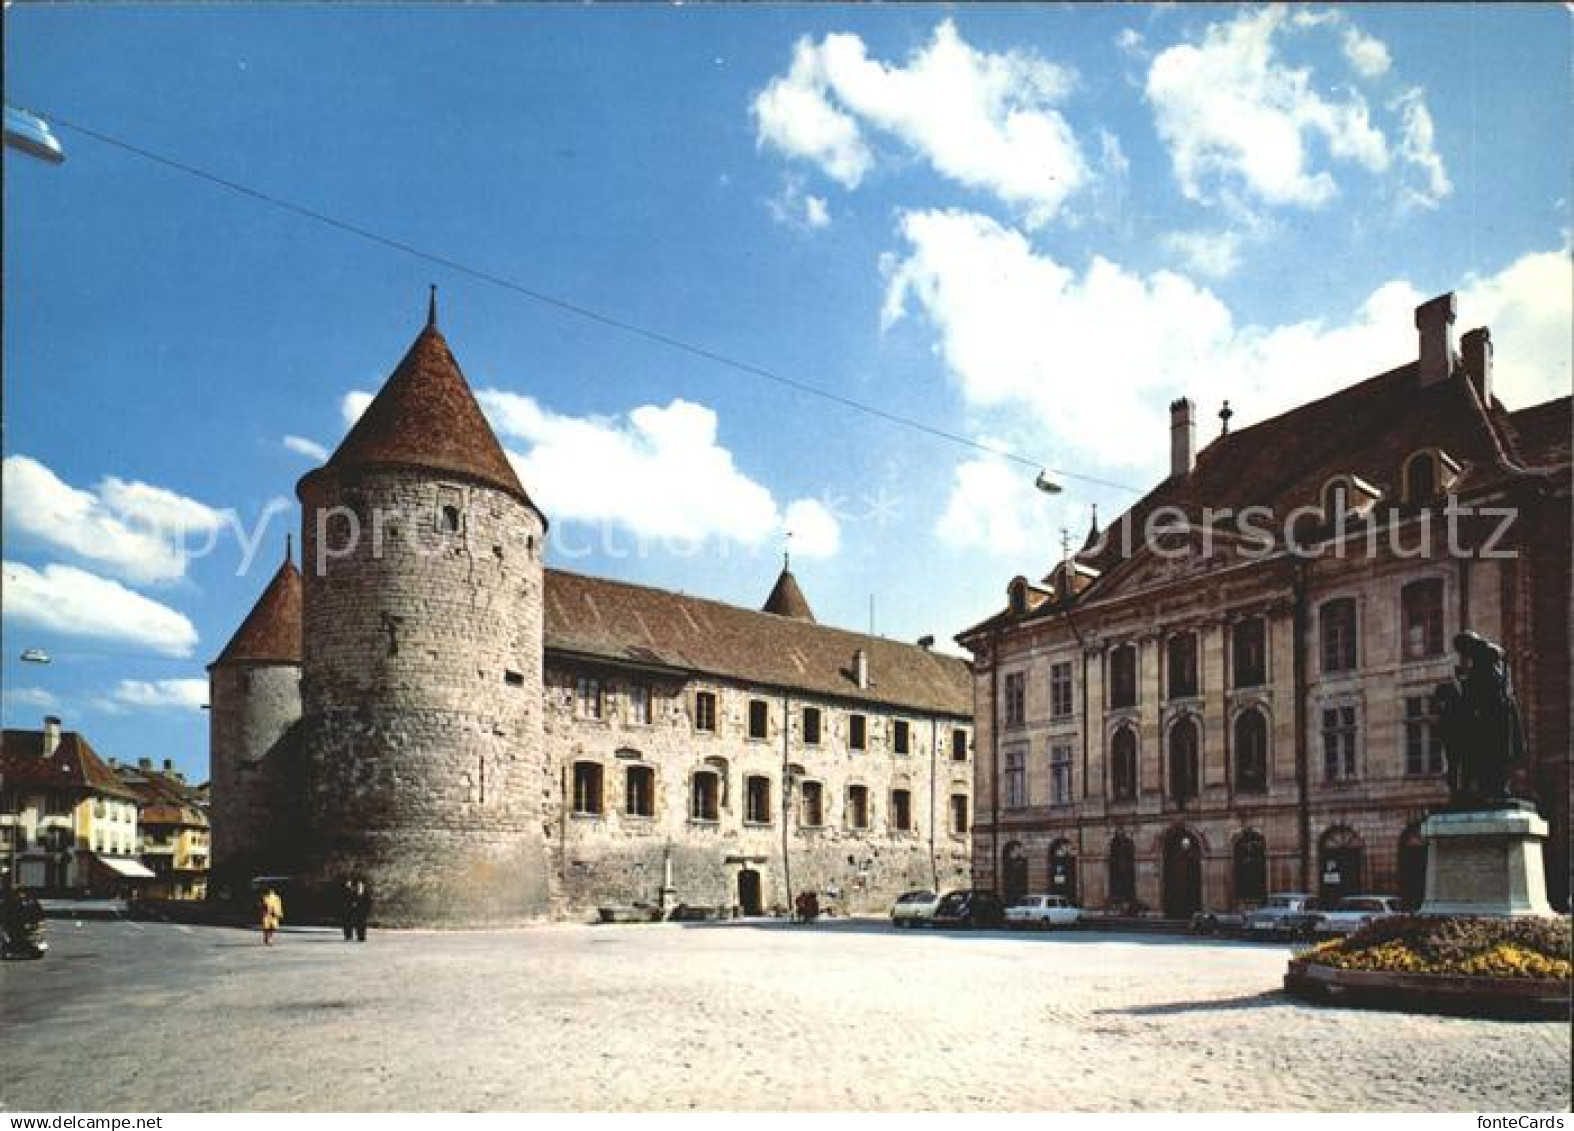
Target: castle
[{"x": 488, "y": 741}]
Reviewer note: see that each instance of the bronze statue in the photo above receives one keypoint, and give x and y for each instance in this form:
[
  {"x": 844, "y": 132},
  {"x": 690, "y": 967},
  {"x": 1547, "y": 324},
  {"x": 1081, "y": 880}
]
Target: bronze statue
[{"x": 1483, "y": 738}]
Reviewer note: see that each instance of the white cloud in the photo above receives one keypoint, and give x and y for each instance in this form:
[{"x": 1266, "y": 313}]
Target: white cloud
[
  {"x": 73, "y": 602},
  {"x": 815, "y": 212},
  {"x": 30, "y": 697},
  {"x": 144, "y": 533},
  {"x": 988, "y": 121},
  {"x": 309, "y": 448},
  {"x": 161, "y": 694},
  {"x": 353, "y": 403},
  {"x": 1367, "y": 54},
  {"x": 1236, "y": 117},
  {"x": 1418, "y": 146},
  {"x": 659, "y": 471},
  {"x": 993, "y": 507},
  {"x": 1213, "y": 255},
  {"x": 1129, "y": 42},
  {"x": 1092, "y": 358},
  {"x": 798, "y": 209}
]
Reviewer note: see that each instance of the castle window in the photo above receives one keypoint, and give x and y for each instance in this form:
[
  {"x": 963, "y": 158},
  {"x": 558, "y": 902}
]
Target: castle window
[
  {"x": 1423, "y": 743},
  {"x": 1420, "y": 479},
  {"x": 901, "y": 810},
  {"x": 858, "y": 806},
  {"x": 639, "y": 791},
  {"x": 1182, "y": 657},
  {"x": 1421, "y": 603},
  {"x": 1123, "y": 764},
  {"x": 857, "y": 732},
  {"x": 1123, "y": 676},
  {"x": 959, "y": 745},
  {"x": 704, "y": 796},
  {"x": 901, "y": 737},
  {"x": 639, "y": 704},
  {"x": 1249, "y": 652},
  {"x": 514, "y": 679},
  {"x": 705, "y": 711},
  {"x": 587, "y": 787},
  {"x": 1339, "y": 740},
  {"x": 1016, "y": 699},
  {"x": 1060, "y": 774},
  {"x": 1015, "y": 779},
  {"x": 958, "y": 814},
  {"x": 812, "y": 814},
  {"x": 1251, "y": 751},
  {"x": 757, "y": 800},
  {"x": 587, "y": 698},
  {"x": 1060, "y": 690},
  {"x": 1336, "y": 620},
  {"x": 759, "y": 717},
  {"x": 811, "y": 726},
  {"x": 450, "y": 516}
]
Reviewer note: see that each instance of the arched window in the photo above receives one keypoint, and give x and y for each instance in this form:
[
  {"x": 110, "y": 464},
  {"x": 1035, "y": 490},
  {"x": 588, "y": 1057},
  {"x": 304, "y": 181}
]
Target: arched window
[
  {"x": 1181, "y": 654},
  {"x": 1251, "y": 868},
  {"x": 1183, "y": 761},
  {"x": 1341, "y": 863},
  {"x": 1063, "y": 870},
  {"x": 1421, "y": 604},
  {"x": 1123, "y": 764},
  {"x": 1249, "y": 652},
  {"x": 1122, "y": 871},
  {"x": 1421, "y": 479},
  {"x": 1251, "y": 751}
]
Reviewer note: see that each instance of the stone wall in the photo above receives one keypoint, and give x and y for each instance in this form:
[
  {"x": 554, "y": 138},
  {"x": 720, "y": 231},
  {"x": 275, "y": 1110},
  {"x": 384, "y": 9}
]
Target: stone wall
[
  {"x": 425, "y": 770},
  {"x": 254, "y": 770}
]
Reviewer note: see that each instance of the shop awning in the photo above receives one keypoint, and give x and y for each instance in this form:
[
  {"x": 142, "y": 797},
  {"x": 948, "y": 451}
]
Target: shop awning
[{"x": 131, "y": 869}]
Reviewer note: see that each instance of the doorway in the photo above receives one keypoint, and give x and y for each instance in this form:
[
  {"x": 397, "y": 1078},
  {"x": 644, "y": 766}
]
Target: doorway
[
  {"x": 1182, "y": 874},
  {"x": 1015, "y": 869},
  {"x": 749, "y": 892}
]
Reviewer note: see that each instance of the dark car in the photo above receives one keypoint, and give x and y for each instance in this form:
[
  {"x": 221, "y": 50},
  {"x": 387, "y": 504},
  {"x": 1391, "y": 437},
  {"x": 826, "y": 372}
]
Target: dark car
[{"x": 970, "y": 909}]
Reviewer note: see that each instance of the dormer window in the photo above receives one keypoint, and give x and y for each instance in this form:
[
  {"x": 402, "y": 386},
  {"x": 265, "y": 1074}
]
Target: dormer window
[
  {"x": 1420, "y": 479},
  {"x": 1347, "y": 495}
]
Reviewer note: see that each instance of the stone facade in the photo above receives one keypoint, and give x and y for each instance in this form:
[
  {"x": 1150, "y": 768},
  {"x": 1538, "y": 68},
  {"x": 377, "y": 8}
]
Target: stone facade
[
  {"x": 254, "y": 709},
  {"x": 1278, "y": 722}
]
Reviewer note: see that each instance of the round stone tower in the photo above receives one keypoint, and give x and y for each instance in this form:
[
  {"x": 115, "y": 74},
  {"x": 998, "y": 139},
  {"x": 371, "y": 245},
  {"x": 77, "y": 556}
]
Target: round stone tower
[
  {"x": 254, "y": 701},
  {"x": 422, "y": 686}
]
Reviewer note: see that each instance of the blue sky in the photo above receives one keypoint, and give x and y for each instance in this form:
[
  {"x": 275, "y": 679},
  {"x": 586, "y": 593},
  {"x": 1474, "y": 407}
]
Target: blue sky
[{"x": 1029, "y": 226}]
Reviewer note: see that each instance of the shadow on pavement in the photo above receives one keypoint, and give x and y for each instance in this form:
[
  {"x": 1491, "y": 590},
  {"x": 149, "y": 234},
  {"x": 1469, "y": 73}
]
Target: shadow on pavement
[
  {"x": 875, "y": 926},
  {"x": 1211, "y": 1005}
]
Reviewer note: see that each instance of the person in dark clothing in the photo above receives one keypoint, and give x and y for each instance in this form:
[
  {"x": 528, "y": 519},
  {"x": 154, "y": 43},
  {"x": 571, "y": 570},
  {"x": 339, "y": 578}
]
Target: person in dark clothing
[
  {"x": 347, "y": 909},
  {"x": 359, "y": 910}
]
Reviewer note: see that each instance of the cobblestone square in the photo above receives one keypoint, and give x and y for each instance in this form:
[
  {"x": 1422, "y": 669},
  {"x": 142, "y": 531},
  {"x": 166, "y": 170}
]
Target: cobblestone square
[{"x": 850, "y": 1015}]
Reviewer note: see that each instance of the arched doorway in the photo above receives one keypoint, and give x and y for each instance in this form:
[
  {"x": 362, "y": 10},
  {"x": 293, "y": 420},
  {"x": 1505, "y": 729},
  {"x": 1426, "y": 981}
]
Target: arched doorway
[
  {"x": 1182, "y": 891},
  {"x": 749, "y": 892},
  {"x": 1063, "y": 870},
  {"x": 1014, "y": 873},
  {"x": 1341, "y": 861},
  {"x": 1412, "y": 868},
  {"x": 1251, "y": 868},
  {"x": 1122, "y": 871},
  {"x": 1183, "y": 761}
]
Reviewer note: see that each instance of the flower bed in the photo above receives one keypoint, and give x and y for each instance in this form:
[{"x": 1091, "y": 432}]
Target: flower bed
[{"x": 1496, "y": 966}]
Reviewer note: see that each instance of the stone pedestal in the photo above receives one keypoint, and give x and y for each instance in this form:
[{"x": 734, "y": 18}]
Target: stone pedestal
[{"x": 1485, "y": 862}]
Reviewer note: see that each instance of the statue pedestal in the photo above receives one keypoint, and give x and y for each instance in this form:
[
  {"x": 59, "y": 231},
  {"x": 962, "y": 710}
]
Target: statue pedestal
[{"x": 1485, "y": 862}]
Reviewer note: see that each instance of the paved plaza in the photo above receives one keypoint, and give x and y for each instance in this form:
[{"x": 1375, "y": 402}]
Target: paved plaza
[{"x": 159, "y": 1017}]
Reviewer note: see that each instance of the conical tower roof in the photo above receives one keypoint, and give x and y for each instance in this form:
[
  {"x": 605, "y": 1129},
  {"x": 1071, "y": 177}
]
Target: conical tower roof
[
  {"x": 426, "y": 417},
  {"x": 271, "y": 632},
  {"x": 787, "y": 600}
]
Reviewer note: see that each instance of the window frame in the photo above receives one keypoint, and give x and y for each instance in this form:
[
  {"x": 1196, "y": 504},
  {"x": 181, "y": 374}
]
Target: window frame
[
  {"x": 1013, "y": 777},
  {"x": 1062, "y": 690},
  {"x": 857, "y": 810},
  {"x": 582, "y": 683},
  {"x": 641, "y": 704},
  {"x": 813, "y": 726},
  {"x": 696, "y": 794},
  {"x": 585, "y": 802},
  {"x": 816, "y": 788},
  {"x": 1190, "y": 686},
  {"x": 1124, "y": 785},
  {"x": 1243, "y": 673},
  {"x": 759, "y": 729},
  {"x": 1341, "y": 740},
  {"x": 1015, "y": 701},
  {"x": 1417, "y": 597},
  {"x": 1124, "y": 678},
  {"x": 901, "y": 736},
  {"x": 857, "y": 731},
  {"x": 1061, "y": 778},
  {"x": 706, "y": 709},
  {"x": 1338, "y": 638},
  {"x": 751, "y": 810},
  {"x": 902, "y": 810}
]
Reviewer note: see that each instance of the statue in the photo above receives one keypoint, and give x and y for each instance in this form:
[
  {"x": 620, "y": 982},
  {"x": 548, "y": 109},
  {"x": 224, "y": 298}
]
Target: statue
[{"x": 1478, "y": 719}]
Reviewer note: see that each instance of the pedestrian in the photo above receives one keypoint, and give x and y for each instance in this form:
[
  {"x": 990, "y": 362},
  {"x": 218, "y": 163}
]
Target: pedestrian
[
  {"x": 347, "y": 908},
  {"x": 360, "y": 910},
  {"x": 271, "y": 910}
]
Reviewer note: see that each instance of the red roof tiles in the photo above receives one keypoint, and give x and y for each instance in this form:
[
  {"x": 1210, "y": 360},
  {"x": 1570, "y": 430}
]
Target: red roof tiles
[
  {"x": 787, "y": 600},
  {"x": 74, "y": 765},
  {"x": 271, "y": 632}
]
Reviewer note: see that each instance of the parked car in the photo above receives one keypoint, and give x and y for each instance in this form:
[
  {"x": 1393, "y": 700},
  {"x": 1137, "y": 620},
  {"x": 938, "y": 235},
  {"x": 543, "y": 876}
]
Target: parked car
[
  {"x": 1287, "y": 914},
  {"x": 1354, "y": 912},
  {"x": 972, "y": 908},
  {"x": 914, "y": 908},
  {"x": 1042, "y": 911}
]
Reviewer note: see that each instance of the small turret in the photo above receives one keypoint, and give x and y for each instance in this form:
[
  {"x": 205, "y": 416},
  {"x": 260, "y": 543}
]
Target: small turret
[{"x": 786, "y": 599}]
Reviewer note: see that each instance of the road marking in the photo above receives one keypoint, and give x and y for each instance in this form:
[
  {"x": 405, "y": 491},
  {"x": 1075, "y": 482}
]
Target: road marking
[{"x": 181, "y": 927}]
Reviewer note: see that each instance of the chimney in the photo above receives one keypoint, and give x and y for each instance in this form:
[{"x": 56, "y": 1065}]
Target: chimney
[
  {"x": 169, "y": 766},
  {"x": 51, "y": 735},
  {"x": 926, "y": 642},
  {"x": 861, "y": 669},
  {"x": 1477, "y": 346},
  {"x": 1183, "y": 438},
  {"x": 1435, "y": 327},
  {"x": 144, "y": 763}
]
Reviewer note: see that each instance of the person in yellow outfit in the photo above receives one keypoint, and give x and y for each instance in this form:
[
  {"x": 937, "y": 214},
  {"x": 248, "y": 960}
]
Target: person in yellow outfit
[{"x": 271, "y": 909}]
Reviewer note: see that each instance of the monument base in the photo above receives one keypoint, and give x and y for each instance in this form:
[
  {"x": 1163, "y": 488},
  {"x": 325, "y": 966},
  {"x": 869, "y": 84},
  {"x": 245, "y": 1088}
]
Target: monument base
[{"x": 1485, "y": 862}]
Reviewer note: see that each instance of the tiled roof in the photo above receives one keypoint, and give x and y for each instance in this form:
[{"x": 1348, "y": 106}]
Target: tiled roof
[
  {"x": 787, "y": 600},
  {"x": 73, "y": 766},
  {"x": 271, "y": 632},
  {"x": 1542, "y": 433},
  {"x": 426, "y": 417},
  {"x": 165, "y": 799},
  {"x": 631, "y": 624}
]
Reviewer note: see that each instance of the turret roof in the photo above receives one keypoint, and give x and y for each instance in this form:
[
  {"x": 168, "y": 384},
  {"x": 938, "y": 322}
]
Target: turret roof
[{"x": 271, "y": 632}]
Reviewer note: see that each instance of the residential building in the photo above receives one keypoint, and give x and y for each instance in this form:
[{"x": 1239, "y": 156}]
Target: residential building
[{"x": 172, "y": 821}]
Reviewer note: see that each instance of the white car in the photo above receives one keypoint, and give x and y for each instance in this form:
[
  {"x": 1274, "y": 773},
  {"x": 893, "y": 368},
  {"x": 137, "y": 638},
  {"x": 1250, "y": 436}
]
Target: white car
[
  {"x": 1286, "y": 914},
  {"x": 914, "y": 908},
  {"x": 1042, "y": 911},
  {"x": 1354, "y": 912}
]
